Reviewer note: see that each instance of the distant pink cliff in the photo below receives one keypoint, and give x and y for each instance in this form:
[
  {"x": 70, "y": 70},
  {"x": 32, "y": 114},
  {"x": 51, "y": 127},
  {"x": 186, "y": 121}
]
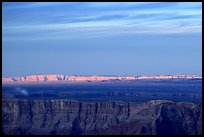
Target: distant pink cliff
[{"x": 56, "y": 77}]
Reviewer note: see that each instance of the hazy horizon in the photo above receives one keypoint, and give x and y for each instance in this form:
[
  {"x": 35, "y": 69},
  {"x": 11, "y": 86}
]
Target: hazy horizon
[
  {"x": 99, "y": 75},
  {"x": 94, "y": 38}
]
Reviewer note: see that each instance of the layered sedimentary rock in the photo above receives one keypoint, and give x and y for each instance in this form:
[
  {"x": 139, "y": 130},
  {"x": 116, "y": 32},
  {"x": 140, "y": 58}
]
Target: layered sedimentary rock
[
  {"x": 74, "y": 117},
  {"x": 39, "y": 78}
]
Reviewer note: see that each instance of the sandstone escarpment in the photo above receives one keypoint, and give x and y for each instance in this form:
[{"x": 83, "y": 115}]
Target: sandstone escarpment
[
  {"x": 74, "y": 117},
  {"x": 56, "y": 77}
]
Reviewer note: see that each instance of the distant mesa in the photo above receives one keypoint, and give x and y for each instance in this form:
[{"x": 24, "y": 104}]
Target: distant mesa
[{"x": 56, "y": 77}]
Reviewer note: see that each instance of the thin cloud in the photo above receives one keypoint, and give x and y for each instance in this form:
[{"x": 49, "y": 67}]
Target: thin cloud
[{"x": 95, "y": 19}]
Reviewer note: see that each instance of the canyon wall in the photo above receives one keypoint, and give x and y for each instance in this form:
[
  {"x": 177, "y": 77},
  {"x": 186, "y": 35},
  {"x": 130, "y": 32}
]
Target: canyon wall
[
  {"x": 39, "y": 78},
  {"x": 74, "y": 117}
]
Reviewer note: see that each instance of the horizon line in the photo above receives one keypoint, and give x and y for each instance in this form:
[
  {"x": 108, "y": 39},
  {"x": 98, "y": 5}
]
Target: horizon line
[{"x": 107, "y": 75}]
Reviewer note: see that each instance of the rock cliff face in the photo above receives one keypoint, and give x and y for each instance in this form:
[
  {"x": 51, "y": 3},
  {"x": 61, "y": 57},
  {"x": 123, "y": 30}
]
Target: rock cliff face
[
  {"x": 40, "y": 78},
  {"x": 74, "y": 117}
]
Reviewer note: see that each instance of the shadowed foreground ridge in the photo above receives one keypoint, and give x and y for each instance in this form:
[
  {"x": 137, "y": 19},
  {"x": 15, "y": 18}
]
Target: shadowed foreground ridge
[{"x": 76, "y": 117}]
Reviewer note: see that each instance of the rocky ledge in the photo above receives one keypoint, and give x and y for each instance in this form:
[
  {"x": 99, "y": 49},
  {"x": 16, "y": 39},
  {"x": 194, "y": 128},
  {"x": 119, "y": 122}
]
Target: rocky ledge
[{"x": 123, "y": 118}]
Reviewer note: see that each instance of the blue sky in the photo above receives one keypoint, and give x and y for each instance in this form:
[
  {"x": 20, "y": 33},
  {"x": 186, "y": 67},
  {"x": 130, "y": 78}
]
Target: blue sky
[{"x": 108, "y": 38}]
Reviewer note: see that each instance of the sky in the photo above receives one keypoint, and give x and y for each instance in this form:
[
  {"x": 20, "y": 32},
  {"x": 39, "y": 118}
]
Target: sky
[{"x": 101, "y": 38}]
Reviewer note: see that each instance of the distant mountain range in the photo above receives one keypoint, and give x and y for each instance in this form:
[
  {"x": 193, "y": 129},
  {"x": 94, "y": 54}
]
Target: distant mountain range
[{"x": 57, "y": 77}]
